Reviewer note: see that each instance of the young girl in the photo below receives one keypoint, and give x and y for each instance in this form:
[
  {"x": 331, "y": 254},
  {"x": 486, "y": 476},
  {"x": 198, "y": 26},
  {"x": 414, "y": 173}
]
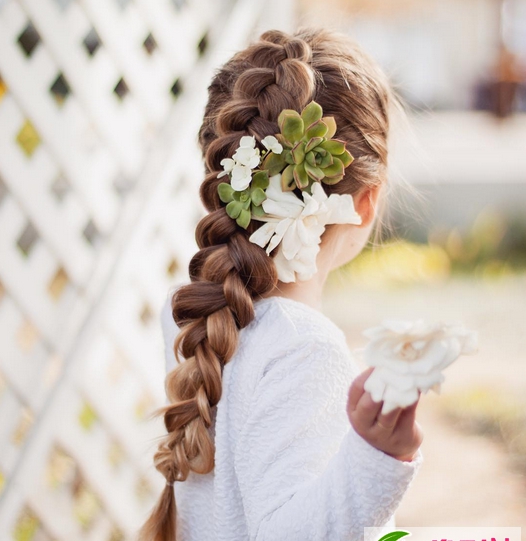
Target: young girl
[{"x": 270, "y": 433}]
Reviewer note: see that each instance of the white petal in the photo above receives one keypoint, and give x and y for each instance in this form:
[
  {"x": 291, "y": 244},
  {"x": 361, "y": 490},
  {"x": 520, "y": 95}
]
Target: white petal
[
  {"x": 289, "y": 205},
  {"x": 272, "y": 144},
  {"x": 388, "y": 407},
  {"x": 247, "y": 141},
  {"x": 262, "y": 235},
  {"x": 247, "y": 156},
  {"x": 375, "y": 386},
  {"x": 401, "y": 399},
  {"x": 313, "y": 207},
  {"x": 341, "y": 210},
  {"x": 309, "y": 235},
  {"x": 281, "y": 228},
  {"x": 254, "y": 161},
  {"x": 291, "y": 241},
  {"x": 283, "y": 266},
  {"x": 304, "y": 264},
  {"x": 318, "y": 193},
  {"x": 228, "y": 164},
  {"x": 426, "y": 382},
  {"x": 241, "y": 177},
  {"x": 402, "y": 382}
]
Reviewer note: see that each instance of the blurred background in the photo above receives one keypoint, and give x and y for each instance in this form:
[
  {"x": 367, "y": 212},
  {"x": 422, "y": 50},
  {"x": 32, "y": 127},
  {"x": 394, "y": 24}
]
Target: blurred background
[{"x": 100, "y": 103}]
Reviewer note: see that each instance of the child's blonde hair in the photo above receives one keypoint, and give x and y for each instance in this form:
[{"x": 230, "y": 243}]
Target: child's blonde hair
[{"x": 279, "y": 71}]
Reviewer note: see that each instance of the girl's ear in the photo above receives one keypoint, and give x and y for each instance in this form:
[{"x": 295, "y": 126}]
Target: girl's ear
[{"x": 365, "y": 203}]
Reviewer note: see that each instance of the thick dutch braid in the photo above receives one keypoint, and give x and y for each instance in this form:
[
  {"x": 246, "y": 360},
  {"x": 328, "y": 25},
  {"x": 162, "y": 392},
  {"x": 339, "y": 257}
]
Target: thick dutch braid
[{"x": 229, "y": 272}]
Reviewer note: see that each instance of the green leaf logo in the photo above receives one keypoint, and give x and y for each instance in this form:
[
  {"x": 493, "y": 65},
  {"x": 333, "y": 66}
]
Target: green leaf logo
[{"x": 394, "y": 536}]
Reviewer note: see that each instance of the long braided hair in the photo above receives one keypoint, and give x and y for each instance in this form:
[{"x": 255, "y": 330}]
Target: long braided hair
[{"x": 279, "y": 71}]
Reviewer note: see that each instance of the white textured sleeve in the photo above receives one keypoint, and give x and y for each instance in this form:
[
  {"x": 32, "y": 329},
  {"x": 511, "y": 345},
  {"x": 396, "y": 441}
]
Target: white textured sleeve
[
  {"x": 169, "y": 330},
  {"x": 303, "y": 472}
]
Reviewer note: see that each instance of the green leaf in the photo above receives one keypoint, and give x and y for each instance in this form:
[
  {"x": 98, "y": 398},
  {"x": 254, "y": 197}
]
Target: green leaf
[
  {"x": 394, "y": 536},
  {"x": 326, "y": 160},
  {"x": 293, "y": 127},
  {"x": 347, "y": 158},
  {"x": 335, "y": 169},
  {"x": 226, "y": 192},
  {"x": 281, "y": 140},
  {"x": 300, "y": 176},
  {"x": 314, "y": 172},
  {"x": 234, "y": 208},
  {"x": 274, "y": 163},
  {"x": 318, "y": 129},
  {"x": 310, "y": 158},
  {"x": 246, "y": 203},
  {"x": 257, "y": 210},
  {"x": 332, "y": 180},
  {"x": 311, "y": 113},
  {"x": 287, "y": 178},
  {"x": 283, "y": 115},
  {"x": 334, "y": 146},
  {"x": 298, "y": 152},
  {"x": 314, "y": 142},
  {"x": 244, "y": 218},
  {"x": 260, "y": 179},
  {"x": 258, "y": 196},
  {"x": 331, "y": 124},
  {"x": 287, "y": 154}
]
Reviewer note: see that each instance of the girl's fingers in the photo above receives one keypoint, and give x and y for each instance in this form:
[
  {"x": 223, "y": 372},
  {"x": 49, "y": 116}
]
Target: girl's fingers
[
  {"x": 366, "y": 411},
  {"x": 387, "y": 421},
  {"x": 356, "y": 389}
]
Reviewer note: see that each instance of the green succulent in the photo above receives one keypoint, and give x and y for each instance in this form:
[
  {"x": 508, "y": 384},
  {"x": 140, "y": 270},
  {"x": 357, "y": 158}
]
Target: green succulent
[
  {"x": 241, "y": 206},
  {"x": 309, "y": 152}
]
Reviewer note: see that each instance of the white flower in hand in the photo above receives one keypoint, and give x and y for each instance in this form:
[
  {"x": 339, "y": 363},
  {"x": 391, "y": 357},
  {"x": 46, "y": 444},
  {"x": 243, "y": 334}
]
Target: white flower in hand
[
  {"x": 409, "y": 356},
  {"x": 297, "y": 226}
]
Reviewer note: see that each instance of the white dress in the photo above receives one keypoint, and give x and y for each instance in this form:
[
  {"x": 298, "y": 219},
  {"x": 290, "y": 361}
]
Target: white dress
[{"x": 288, "y": 464}]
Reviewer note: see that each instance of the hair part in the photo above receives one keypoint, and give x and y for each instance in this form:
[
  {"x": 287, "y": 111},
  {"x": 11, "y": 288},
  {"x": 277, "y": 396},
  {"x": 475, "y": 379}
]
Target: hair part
[{"x": 279, "y": 71}]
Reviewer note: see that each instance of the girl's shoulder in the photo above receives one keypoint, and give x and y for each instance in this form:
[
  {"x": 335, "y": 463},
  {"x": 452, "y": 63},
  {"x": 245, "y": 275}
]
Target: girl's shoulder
[
  {"x": 295, "y": 319},
  {"x": 283, "y": 327}
]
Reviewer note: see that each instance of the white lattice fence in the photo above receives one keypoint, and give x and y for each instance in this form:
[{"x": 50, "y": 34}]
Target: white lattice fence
[{"x": 100, "y": 102}]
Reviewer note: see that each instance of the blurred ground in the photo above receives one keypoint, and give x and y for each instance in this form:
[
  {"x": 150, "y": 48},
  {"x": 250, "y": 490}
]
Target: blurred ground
[{"x": 467, "y": 479}]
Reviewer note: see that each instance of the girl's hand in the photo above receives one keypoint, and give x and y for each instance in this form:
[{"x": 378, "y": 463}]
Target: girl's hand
[{"x": 396, "y": 433}]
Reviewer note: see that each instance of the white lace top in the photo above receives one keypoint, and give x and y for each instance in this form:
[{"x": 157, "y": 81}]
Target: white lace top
[{"x": 288, "y": 464}]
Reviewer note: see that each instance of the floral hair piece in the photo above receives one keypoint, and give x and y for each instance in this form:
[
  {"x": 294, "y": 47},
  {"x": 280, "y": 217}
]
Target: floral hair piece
[{"x": 264, "y": 186}]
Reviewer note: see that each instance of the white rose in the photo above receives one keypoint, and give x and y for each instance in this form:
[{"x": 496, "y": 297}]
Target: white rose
[{"x": 409, "y": 356}]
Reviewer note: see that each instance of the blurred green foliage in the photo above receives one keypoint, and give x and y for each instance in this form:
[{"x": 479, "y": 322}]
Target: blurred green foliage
[
  {"x": 489, "y": 412},
  {"x": 493, "y": 246}
]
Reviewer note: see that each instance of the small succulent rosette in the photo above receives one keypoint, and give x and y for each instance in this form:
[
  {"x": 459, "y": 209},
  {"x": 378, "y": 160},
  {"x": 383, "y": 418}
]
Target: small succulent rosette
[{"x": 409, "y": 356}]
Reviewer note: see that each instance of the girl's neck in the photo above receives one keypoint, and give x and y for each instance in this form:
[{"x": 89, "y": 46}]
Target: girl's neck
[{"x": 308, "y": 292}]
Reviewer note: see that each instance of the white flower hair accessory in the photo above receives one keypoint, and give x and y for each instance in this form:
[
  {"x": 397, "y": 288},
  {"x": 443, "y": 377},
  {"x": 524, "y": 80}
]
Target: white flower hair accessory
[
  {"x": 297, "y": 226},
  {"x": 409, "y": 357},
  {"x": 264, "y": 185}
]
